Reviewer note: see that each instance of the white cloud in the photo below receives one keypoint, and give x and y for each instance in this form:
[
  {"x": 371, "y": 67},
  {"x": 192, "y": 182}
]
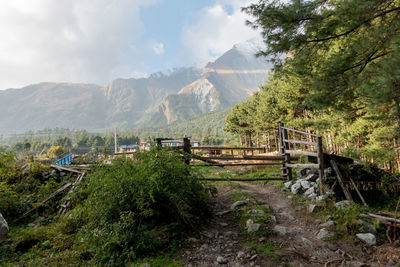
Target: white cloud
[
  {"x": 158, "y": 48},
  {"x": 215, "y": 30},
  {"x": 69, "y": 40}
]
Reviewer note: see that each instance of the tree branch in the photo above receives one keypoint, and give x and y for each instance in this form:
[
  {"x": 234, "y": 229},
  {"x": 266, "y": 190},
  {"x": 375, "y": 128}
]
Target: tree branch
[{"x": 353, "y": 29}]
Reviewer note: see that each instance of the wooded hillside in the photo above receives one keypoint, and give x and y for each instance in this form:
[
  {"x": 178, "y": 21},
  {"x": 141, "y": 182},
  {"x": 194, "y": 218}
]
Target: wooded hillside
[{"x": 340, "y": 75}]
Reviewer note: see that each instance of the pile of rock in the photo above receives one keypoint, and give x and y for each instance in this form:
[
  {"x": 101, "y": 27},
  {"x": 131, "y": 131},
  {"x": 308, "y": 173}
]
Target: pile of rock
[{"x": 307, "y": 184}]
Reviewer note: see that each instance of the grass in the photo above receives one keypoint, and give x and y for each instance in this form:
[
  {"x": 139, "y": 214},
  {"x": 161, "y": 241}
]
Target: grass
[
  {"x": 160, "y": 261},
  {"x": 267, "y": 249}
]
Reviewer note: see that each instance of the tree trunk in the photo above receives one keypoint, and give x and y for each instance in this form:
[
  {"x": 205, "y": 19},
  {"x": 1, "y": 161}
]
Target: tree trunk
[{"x": 397, "y": 105}]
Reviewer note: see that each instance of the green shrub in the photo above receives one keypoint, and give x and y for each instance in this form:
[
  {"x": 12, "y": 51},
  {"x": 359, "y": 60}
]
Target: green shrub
[
  {"x": 139, "y": 207},
  {"x": 9, "y": 201},
  {"x": 8, "y": 170}
]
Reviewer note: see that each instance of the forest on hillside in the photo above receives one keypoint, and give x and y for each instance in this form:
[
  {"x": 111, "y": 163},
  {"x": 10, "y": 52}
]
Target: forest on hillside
[
  {"x": 206, "y": 128},
  {"x": 340, "y": 76}
]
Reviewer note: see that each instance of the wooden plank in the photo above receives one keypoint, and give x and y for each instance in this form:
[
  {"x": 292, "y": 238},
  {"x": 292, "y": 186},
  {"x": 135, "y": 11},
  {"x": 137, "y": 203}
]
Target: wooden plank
[
  {"x": 297, "y": 131},
  {"x": 246, "y": 179},
  {"x": 243, "y": 164},
  {"x": 320, "y": 163},
  {"x": 284, "y": 169},
  {"x": 300, "y": 142},
  {"x": 284, "y": 135},
  {"x": 67, "y": 201},
  {"x": 381, "y": 218},
  {"x": 340, "y": 179},
  {"x": 225, "y": 148},
  {"x": 60, "y": 168},
  {"x": 186, "y": 149},
  {"x": 61, "y": 189},
  {"x": 300, "y": 152},
  {"x": 204, "y": 159},
  {"x": 269, "y": 157},
  {"x": 246, "y": 158},
  {"x": 358, "y": 192},
  {"x": 303, "y": 165}
]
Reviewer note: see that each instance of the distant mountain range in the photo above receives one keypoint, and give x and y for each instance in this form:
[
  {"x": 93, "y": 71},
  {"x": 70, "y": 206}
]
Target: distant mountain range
[{"x": 160, "y": 99}]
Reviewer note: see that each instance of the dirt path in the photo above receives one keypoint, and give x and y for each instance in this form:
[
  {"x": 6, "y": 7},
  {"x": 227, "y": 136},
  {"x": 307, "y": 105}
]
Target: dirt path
[{"x": 224, "y": 242}]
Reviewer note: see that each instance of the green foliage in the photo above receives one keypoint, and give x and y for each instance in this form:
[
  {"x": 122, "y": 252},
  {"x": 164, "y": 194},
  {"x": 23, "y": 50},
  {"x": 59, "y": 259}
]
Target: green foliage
[
  {"x": 9, "y": 201},
  {"x": 80, "y": 141},
  {"x": 269, "y": 250},
  {"x": 138, "y": 207},
  {"x": 124, "y": 213},
  {"x": 336, "y": 79},
  {"x": 207, "y": 128},
  {"x": 8, "y": 164}
]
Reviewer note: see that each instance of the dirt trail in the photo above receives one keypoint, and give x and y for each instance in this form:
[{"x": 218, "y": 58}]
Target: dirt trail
[{"x": 223, "y": 243}]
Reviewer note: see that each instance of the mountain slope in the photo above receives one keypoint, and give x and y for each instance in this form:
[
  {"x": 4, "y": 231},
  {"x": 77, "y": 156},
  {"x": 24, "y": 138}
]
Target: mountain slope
[
  {"x": 196, "y": 127},
  {"x": 227, "y": 81},
  {"x": 162, "y": 98},
  {"x": 121, "y": 103}
]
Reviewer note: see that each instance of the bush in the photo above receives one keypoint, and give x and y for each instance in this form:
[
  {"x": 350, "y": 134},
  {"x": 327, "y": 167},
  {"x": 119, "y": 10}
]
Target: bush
[
  {"x": 8, "y": 170},
  {"x": 9, "y": 201},
  {"x": 138, "y": 207}
]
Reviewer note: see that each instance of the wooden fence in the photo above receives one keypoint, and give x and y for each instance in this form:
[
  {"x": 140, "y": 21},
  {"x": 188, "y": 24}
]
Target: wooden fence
[
  {"x": 295, "y": 142},
  {"x": 292, "y": 142}
]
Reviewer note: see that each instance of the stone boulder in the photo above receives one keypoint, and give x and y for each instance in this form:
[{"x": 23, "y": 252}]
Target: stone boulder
[
  {"x": 309, "y": 191},
  {"x": 238, "y": 204},
  {"x": 288, "y": 184},
  {"x": 344, "y": 204},
  {"x": 312, "y": 196},
  {"x": 281, "y": 230},
  {"x": 366, "y": 227},
  {"x": 311, "y": 177},
  {"x": 302, "y": 172},
  {"x": 323, "y": 233},
  {"x": 305, "y": 184},
  {"x": 296, "y": 188},
  {"x": 367, "y": 238}
]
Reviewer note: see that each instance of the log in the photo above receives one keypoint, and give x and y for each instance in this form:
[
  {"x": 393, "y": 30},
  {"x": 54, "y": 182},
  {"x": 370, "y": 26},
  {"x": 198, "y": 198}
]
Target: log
[
  {"x": 358, "y": 192},
  {"x": 303, "y": 165},
  {"x": 60, "y": 168},
  {"x": 44, "y": 201},
  {"x": 242, "y": 164},
  {"x": 203, "y": 159},
  {"x": 320, "y": 162},
  {"x": 246, "y": 179},
  {"x": 382, "y": 219},
  {"x": 67, "y": 202},
  {"x": 300, "y": 142},
  {"x": 340, "y": 180},
  {"x": 246, "y": 158},
  {"x": 225, "y": 148},
  {"x": 300, "y": 152}
]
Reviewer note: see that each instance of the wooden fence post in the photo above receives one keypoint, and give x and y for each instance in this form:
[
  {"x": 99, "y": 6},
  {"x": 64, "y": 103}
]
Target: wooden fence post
[
  {"x": 320, "y": 163},
  {"x": 287, "y": 155},
  {"x": 286, "y": 171},
  {"x": 159, "y": 144},
  {"x": 187, "y": 150}
]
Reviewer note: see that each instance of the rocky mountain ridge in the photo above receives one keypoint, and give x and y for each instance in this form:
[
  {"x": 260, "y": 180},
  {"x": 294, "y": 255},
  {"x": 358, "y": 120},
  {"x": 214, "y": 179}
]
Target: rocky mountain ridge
[{"x": 161, "y": 98}]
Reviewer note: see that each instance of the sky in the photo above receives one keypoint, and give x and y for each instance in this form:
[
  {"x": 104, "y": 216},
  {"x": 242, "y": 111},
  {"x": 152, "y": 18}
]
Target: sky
[{"x": 96, "y": 41}]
